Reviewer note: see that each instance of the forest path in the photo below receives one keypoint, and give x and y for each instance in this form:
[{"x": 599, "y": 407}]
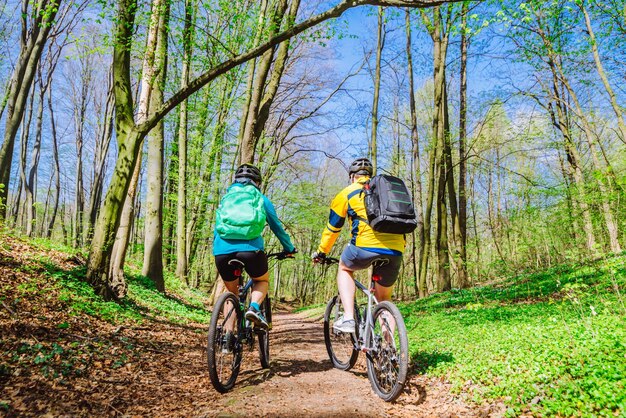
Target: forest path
[
  {"x": 302, "y": 382},
  {"x": 55, "y": 361}
]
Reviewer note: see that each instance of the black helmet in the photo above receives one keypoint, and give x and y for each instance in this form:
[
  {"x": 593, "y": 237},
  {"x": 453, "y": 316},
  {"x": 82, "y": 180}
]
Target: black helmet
[
  {"x": 361, "y": 166},
  {"x": 248, "y": 171}
]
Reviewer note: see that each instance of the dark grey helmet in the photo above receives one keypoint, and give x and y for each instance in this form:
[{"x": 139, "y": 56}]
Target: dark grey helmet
[
  {"x": 248, "y": 171},
  {"x": 361, "y": 166}
]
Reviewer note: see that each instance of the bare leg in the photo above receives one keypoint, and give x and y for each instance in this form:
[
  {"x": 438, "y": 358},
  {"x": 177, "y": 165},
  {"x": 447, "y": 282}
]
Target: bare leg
[
  {"x": 382, "y": 293},
  {"x": 347, "y": 289},
  {"x": 233, "y": 287},
  {"x": 259, "y": 288},
  {"x": 388, "y": 327}
]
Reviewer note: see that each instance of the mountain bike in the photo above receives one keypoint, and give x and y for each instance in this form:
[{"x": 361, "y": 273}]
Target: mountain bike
[
  {"x": 230, "y": 332},
  {"x": 380, "y": 333}
]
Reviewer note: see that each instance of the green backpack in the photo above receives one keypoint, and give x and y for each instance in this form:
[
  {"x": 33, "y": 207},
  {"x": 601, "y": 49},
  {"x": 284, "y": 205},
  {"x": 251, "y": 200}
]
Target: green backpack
[{"x": 241, "y": 213}]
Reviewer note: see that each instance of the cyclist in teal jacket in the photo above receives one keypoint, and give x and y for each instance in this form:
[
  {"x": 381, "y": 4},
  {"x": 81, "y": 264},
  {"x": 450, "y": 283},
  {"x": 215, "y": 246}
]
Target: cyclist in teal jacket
[{"x": 250, "y": 252}]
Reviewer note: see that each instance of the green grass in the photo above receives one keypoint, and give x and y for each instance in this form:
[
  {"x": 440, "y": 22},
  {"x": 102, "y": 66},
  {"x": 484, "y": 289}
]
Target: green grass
[
  {"x": 47, "y": 244},
  {"x": 315, "y": 306},
  {"x": 552, "y": 343},
  {"x": 178, "y": 305}
]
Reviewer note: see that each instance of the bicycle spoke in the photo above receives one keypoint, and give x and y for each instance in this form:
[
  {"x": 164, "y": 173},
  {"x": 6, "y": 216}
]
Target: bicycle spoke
[
  {"x": 340, "y": 345},
  {"x": 388, "y": 365},
  {"x": 224, "y": 351}
]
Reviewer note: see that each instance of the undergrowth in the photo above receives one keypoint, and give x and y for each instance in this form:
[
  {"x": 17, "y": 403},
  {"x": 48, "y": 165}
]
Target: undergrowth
[
  {"x": 142, "y": 302},
  {"x": 550, "y": 343},
  {"x": 179, "y": 304}
]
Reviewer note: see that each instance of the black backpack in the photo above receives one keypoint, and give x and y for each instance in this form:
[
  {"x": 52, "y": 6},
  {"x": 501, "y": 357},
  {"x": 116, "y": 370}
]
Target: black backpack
[{"x": 389, "y": 205}]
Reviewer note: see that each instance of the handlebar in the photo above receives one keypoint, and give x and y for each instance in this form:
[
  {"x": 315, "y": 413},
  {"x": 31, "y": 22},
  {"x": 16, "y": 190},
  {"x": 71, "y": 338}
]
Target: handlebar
[
  {"x": 329, "y": 260},
  {"x": 281, "y": 255}
]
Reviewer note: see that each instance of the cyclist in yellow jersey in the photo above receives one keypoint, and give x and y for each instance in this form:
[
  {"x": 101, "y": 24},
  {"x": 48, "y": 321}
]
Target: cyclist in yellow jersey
[{"x": 365, "y": 247}]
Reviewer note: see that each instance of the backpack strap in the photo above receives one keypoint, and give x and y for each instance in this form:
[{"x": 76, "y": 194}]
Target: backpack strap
[{"x": 366, "y": 186}]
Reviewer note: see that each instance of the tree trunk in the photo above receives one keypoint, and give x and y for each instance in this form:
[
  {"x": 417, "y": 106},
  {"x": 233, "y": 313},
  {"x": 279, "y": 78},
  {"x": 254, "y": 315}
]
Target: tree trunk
[
  {"x": 57, "y": 167},
  {"x": 79, "y": 197},
  {"x": 490, "y": 216},
  {"x": 32, "y": 42},
  {"x": 416, "y": 168},
  {"x": 147, "y": 84},
  {"x": 605, "y": 190},
  {"x": 99, "y": 272},
  {"x": 440, "y": 125},
  {"x": 463, "y": 276},
  {"x": 451, "y": 189},
  {"x": 21, "y": 210},
  {"x": 379, "y": 52},
  {"x": 102, "y": 150},
  {"x": 619, "y": 114},
  {"x": 251, "y": 72},
  {"x": 181, "y": 219},
  {"x": 441, "y": 243},
  {"x": 153, "y": 248},
  {"x": 249, "y": 139},
  {"x": 31, "y": 184},
  {"x": 560, "y": 121}
]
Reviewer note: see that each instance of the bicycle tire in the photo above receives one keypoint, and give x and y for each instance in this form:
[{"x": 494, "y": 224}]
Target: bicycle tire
[
  {"x": 342, "y": 359},
  {"x": 264, "y": 335},
  {"x": 388, "y": 386},
  {"x": 215, "y": 343}
]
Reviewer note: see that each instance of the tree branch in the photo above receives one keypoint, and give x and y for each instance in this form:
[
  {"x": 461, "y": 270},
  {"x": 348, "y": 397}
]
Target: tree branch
[{"x": 226, "y": 66}]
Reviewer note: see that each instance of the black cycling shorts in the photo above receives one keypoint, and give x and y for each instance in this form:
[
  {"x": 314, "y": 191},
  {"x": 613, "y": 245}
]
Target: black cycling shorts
[{"x": 255, "y": 263}]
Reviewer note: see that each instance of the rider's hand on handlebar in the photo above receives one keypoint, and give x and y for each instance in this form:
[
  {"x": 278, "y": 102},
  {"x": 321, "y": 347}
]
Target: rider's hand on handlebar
[
  {"x": 318, "y": 257},
  {"x": 292, "y": 253}
]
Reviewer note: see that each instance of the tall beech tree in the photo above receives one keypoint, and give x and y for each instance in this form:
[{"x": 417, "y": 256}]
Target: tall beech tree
[
  {"x": 38, "y": 20},
  {"x": 181, "y": 208},
  {"x": 153, "y": 242},
  {"x": 380, "y": 45},
  {"x": 130, "y": 134},
  {"x": 416, "y": 172},
  {"x": 266, "y": 79}
]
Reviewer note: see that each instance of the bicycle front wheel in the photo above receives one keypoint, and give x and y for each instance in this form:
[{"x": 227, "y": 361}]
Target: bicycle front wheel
[
  {"x": 340, "y": 345},
  {"x": 224, "y": 350},
  {"x": 388, "y": 361},
  {"x": 264, "y": 334}
]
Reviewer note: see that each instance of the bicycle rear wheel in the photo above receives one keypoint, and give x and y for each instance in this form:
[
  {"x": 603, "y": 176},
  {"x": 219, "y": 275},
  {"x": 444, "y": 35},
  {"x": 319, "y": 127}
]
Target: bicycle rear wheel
[
  {"x": 388, "y": 362},
  {"x": 264, "y": 334},
  {"x": 224, "y": 350},
  {"x": 340, "y": 345}
]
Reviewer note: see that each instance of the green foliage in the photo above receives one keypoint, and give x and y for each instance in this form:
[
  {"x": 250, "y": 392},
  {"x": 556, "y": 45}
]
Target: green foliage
[
  {"x": 143, "y": 295},
  {"x": 551, "y": 343},
  {"x": 315, "y": 306},
  {"x": 143, "y": 301},
  {"x": 52, "y": 360}
]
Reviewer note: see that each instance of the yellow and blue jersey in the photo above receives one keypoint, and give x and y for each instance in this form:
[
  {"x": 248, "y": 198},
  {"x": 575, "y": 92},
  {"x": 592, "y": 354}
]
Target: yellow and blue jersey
[{"x": 349, "y": 203}]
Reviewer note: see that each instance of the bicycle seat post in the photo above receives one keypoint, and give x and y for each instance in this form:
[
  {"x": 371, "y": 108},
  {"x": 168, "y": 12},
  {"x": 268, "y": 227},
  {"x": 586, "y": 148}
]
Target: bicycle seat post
[
  {"x": 238, "y": 272},
  {"x": 375, "y": 278}
]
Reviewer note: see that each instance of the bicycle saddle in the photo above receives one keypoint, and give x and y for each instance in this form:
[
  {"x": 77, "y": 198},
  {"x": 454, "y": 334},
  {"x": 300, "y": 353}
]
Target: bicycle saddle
[
  {"x": 379, "y": 262},
  {"x": 236, "y": 263}
]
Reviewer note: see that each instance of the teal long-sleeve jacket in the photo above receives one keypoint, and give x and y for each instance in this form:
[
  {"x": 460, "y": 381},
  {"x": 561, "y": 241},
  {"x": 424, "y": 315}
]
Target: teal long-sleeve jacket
[{"x": 223, "y": 246}]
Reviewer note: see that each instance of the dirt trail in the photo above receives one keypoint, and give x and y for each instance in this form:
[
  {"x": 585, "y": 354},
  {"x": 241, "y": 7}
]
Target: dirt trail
[
  {"x": 302, "y": 382},
  {"x": 159, "y": 368}
]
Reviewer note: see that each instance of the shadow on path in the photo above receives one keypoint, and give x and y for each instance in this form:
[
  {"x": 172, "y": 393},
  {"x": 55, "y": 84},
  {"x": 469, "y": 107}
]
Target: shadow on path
[
  {"x": 421, "y": 361},
  {"x": 282, "y": 368}
]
